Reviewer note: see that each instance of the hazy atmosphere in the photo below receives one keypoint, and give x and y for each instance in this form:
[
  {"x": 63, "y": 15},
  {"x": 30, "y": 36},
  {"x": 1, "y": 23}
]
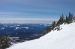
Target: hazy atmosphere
[
  {"x": 35, "y": 9},
  {"x": 37, "y": 24}
]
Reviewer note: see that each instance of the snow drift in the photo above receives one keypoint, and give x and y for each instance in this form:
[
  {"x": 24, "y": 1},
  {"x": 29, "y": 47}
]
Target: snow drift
[{"x": 62, "y": 39}]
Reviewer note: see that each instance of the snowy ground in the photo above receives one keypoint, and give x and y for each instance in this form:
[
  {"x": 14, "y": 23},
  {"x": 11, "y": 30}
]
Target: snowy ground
[{"x": 63, "y": 39}]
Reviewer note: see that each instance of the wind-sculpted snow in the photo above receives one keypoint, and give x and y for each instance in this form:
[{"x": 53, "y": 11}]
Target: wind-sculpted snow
[{"x": 62, "y": 39}]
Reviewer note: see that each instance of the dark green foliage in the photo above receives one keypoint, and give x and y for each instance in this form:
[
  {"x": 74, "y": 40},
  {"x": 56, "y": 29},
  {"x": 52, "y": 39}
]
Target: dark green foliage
[
  {"x": 4, "y": 42},
  {"x": 61, "y": 20},
  {"x": 56, "y": 24},
  {"x": 53, "y": 24},
  {"x": 66, "y": 20},
  {"x": 69, "y": 18}
]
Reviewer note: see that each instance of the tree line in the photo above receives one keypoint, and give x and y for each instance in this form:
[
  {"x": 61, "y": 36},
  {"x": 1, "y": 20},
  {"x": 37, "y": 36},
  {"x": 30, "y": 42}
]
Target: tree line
[{"x": 63, "y": 19}]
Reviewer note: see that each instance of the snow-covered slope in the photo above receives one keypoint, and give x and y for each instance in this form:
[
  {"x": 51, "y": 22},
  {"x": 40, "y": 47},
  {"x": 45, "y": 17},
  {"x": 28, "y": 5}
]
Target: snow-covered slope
[{"x": 63, "y": 39}]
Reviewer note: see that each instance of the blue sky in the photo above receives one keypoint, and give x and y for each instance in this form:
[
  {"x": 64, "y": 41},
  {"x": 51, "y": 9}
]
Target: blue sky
[{"x": 35, "y": 8}]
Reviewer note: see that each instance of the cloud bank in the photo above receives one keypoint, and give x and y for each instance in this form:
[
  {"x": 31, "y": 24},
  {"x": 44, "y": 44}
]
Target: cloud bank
[{"x": 26, "y": 20}]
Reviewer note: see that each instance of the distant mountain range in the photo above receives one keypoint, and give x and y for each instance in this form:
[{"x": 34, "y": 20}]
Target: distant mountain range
[{"x": 24, "y": 31}]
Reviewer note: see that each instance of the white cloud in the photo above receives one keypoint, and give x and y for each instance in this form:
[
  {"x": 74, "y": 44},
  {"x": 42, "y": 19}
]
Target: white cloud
[{"x": 26, "y": 20}]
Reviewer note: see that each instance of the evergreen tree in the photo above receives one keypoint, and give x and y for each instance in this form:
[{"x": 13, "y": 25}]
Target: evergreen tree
[
  {"x": 4, "y": 42},
  {"x": 70, "y": 17},
  {"x": 53, "y": 24},
  {"x": 61, "y": 20}
]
